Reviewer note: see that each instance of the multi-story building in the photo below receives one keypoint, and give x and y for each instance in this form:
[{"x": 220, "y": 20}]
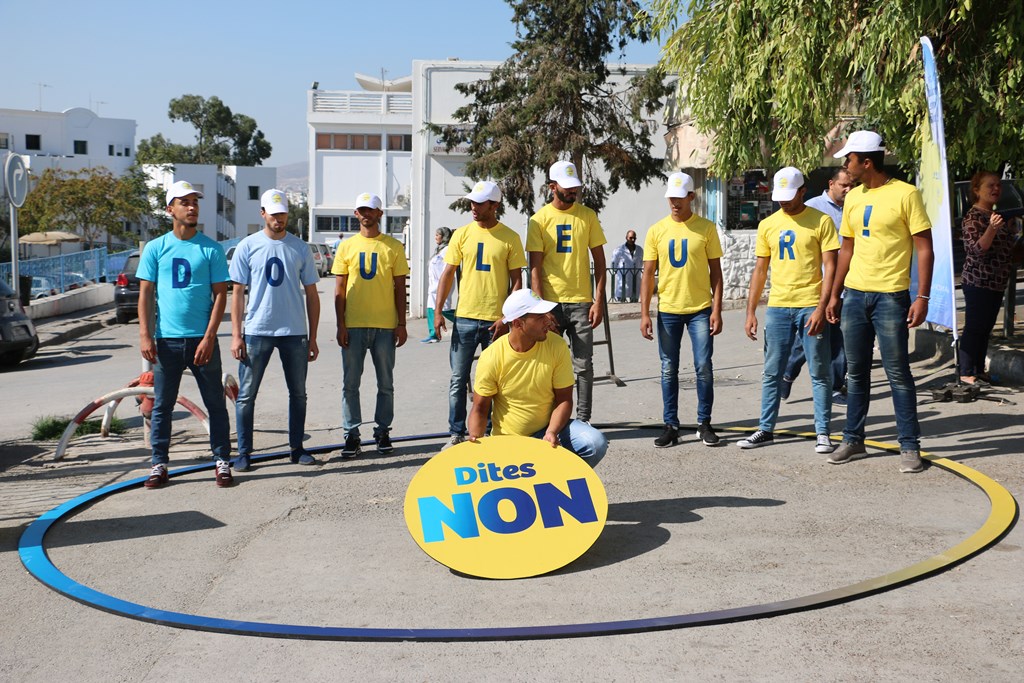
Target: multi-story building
[
  {"x": 359, "y": 141},
  {"x": 230, "y": 207},
  {"x": 70, "y": 140}
]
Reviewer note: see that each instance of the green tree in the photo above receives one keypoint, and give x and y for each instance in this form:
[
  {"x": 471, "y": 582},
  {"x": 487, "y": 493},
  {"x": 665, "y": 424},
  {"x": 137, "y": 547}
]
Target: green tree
[
  {"x": 91, "y": 202},
  {"x": 296, "y": 213},
  {"x": 222, "y": 137},
  {"x": 555, "y": 98},
  {"x": 771, "y": 81}
]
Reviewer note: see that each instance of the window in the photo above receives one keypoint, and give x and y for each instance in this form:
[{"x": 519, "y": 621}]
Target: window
[
  {"x": 337, "y": 224},
  {"x": 110, "y": 150},
  {"x": 400, "y": 143},
  {"x": 81, "y": 146},
  {"x": 34, "y": 142},
  {"x": 5, "y": 141},
  {"x": 396, "y": 224},
  {"x": 356, "y": 141},
  {"x": 254, "y": 192},
  {"x": 127, "y": 151}
]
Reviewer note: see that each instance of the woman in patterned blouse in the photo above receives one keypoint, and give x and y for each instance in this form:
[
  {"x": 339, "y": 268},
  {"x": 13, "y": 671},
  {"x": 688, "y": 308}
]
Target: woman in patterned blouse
[{"x": 988, "y": 243}]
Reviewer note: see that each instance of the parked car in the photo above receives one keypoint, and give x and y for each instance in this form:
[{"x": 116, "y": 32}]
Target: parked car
[
  {"x": 322, "y": 258},
  {"x": 18, "y": 338},
  {"x": 75, "y": 281},
  {"x": 229, "y": 254},
  {"x": 42, "y": 286},
  {"x": 1011, "y": 205},
  {"x": 126, "y": 290}
]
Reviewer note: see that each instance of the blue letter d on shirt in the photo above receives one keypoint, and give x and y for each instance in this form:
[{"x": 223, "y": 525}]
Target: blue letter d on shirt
[{"x": 181, "y": 273}]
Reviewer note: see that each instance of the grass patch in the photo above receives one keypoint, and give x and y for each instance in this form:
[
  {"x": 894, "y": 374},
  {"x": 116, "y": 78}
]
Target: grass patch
[{"x": 50, "y": 427}]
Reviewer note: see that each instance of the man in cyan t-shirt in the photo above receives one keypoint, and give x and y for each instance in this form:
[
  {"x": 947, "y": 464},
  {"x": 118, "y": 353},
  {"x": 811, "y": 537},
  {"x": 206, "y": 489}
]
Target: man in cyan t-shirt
[
  {"x": 562, "y": 238},
  {"x": 183, "y": 275},
  {"x": 278, "y": 270},
  {"x": 369, "y": 301},
  {"x": 884, "y": 225},
  {"x": 527, "y": 377},
  {"x": 795, "y": 242},
  {"x": 491, "y": 257},
  {"x": 685, "y": 251}
]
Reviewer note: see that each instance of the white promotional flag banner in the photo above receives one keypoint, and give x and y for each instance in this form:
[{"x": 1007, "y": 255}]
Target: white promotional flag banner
[{"x": 935, "y": 191}]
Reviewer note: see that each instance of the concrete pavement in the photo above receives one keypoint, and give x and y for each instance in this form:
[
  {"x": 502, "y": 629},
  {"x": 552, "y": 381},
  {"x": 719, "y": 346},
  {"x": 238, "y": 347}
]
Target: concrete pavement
[{"x": 690, "y": 529}]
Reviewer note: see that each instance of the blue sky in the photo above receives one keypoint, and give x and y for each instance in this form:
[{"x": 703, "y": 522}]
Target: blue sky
[{"x": 131, "y": 58}]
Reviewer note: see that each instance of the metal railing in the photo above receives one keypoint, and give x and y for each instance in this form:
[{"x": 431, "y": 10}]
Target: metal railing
[
  {"x": 62, "y": 273},
  {"x": 353, "y": 102}
]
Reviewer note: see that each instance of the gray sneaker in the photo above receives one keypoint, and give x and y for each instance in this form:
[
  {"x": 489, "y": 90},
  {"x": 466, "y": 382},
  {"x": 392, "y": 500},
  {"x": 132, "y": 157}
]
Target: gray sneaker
[
  {"x": 846, "y": 452},
  {"x": 455, "y": 440},
  {"x": 910, "y": 462}
]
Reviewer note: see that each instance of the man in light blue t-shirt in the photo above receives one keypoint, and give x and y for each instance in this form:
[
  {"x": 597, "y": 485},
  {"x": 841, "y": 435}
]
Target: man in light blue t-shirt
[
  {"x": 184, "y": 276},
  {"x": 279, "y": 271}
]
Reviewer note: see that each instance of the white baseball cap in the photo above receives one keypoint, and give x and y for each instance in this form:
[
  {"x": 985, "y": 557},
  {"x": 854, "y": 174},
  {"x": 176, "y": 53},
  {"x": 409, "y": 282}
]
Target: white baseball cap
[
  {"x": 368, "y": 200},
  {"x": 274, "y": 201},
  {"x": 786, "y": 184},
  {"x": 679, "y": 185},
  {"x": 861, "y": 141},
  {"x": 485, "y": 191},
  {"x": 182, "y": 188},
  {"x": 564, "y": 173},
  {"x": 523, "y": 301}
]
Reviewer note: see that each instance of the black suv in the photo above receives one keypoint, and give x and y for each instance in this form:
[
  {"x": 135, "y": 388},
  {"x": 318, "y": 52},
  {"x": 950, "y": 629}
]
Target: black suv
[
  {"x": 126, "y": 290},
  {"x": 18, "y": 338}
]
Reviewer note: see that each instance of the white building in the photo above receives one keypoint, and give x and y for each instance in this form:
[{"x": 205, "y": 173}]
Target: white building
[
  {"x": 230, "y": 207},
  {"x": 70, "y": 140},
  {"x": 359, "y": 141}
]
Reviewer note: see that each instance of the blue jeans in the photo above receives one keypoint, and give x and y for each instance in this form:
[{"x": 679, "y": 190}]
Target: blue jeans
[
  {"x": 670, "y": 338},
  {"x": 782, "y": 326},
  {"x": 294, "y": 353},
  {"x": 582, "y": 439},
  {"x": 173, "y": 356},
  {"x": 381, "y": 345},
  {"x": 467, "y": 334},
  {"x": 797, "y": 357},
  {"x": 866, "y": 315}
]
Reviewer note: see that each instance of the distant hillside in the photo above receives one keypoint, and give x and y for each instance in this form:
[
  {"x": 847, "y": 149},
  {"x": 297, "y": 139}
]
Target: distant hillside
[{"x": 293, "y": 177}]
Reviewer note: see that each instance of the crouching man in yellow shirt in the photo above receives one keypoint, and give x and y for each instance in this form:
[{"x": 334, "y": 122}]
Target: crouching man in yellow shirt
[{"x": 527, "y": 376}]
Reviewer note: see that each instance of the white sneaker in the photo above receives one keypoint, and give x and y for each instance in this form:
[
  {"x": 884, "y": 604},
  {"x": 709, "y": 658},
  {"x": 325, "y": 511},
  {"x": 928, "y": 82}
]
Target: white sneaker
[
  {"x": 455, "y": 440},
  {"x": 824, "y": 444}
]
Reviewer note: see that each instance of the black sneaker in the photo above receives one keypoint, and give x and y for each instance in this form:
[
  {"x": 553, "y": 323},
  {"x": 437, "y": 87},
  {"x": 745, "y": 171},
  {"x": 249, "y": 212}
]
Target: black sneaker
[
  {"x": 707, "y": 434},
  {"x": 758, "y": 438},
  {"x": 353, "y": 446},
  {"x": 383, "y": 441},
  {"x": 670, "y": 437}
]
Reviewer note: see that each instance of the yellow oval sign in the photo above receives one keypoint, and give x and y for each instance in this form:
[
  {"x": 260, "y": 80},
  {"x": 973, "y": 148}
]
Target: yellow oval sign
[{"x": 505, "y": 507}]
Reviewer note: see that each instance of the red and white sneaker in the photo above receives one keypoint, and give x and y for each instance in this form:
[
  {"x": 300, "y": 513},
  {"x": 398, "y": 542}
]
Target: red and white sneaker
[
  {"x": 157, "y": 477},
  {"x": 223, "y": 473}
]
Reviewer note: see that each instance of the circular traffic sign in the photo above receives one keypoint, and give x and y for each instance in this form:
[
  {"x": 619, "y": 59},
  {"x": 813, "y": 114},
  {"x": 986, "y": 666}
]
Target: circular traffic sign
[{"x": 16, "y": 180}]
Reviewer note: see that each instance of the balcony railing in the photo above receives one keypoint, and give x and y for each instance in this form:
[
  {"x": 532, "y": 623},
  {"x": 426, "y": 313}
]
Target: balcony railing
[{"x": 354, "y": 102}]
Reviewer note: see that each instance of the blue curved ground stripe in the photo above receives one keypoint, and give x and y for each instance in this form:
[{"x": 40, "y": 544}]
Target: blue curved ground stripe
[{"x": 1003, "y": 515}]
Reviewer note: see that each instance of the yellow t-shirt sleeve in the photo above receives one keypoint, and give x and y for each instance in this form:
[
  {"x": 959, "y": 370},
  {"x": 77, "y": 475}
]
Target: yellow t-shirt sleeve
[
  {"x": 827, "y": 236},
  {"x": 486, "y": 381},
  {"x": 651, "y": 243},
  {"x": 534, "y": 235},
  {"x": 597, "y": 237},
  {"x": 516, "y": 257},
  {"x": 917, "y": 216}
]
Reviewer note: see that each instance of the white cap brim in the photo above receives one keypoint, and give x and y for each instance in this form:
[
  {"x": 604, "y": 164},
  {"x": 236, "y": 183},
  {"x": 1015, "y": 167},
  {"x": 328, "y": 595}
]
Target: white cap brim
[
  {"x": 542, "y": 306},
  {"x": 784, "y": 195}
]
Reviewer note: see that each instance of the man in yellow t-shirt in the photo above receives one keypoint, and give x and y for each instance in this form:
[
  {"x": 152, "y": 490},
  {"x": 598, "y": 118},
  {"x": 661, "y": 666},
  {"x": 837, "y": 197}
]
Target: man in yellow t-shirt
[
  {"x": 369, "y": 300},
  {"x": 685, "y": 251},
  {"x": 795, "y": 242},
  {"x": 527, "y": 377},
  {"x": 562, "y": 238},
  {"x": 491, "y": 256},
  {"x": 884, "y": 224}
]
